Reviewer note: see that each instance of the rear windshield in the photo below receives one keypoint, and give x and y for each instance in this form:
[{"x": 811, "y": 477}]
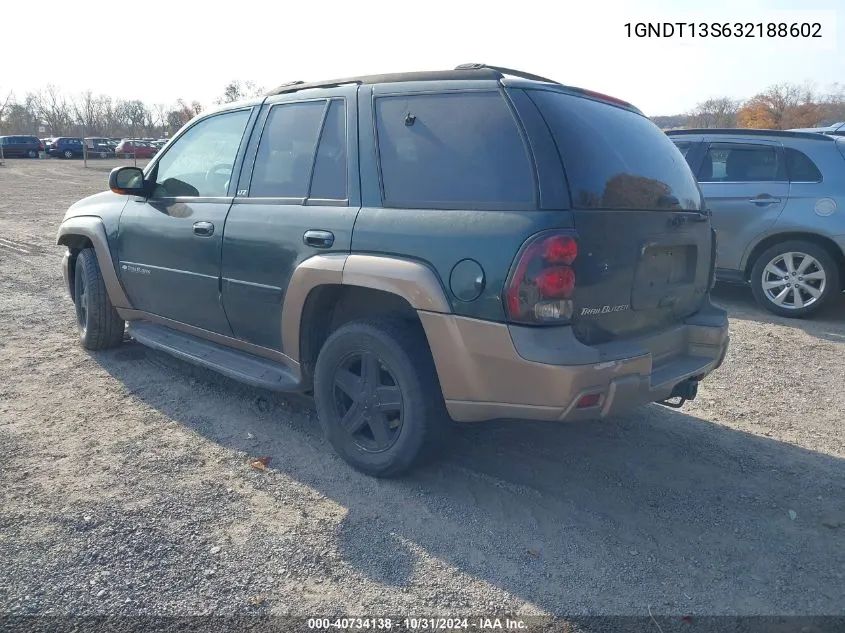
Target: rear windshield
[{"x": 615, "y": 158}]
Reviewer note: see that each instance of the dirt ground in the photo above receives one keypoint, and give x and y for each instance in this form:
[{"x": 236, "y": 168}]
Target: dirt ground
[{"x": 125, "y": 485}]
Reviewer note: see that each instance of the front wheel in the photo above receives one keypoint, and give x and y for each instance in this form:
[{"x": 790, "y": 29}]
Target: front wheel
[
  {"x": 32, "y": 153},
  {"x": 68, "y": 154},
  {"x": 377, "y": 396},
  {"x": 795, "y": 279},
  {"x": 99, "y": 325}
]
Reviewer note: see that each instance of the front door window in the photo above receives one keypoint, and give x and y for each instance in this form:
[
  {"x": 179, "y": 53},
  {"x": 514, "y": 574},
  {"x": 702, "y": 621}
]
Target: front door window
[{"x": 199, "y": 163}]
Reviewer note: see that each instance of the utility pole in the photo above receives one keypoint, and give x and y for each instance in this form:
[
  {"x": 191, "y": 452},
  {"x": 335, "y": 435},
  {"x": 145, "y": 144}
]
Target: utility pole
[{"x": 84, "y": 148}]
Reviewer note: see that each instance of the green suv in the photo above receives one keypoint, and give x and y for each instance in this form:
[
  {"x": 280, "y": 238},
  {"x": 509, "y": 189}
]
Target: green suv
[{"x": 412, "y": 249}]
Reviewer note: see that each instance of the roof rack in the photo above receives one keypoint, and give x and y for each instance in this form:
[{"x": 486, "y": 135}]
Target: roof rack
[
  {"x": 464, "y": 71},
  {"x": 507, "y": 71},
  {"x": 751, "y": 132}
]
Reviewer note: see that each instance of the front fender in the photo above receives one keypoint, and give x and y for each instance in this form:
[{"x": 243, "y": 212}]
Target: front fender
[{"x": 76, "y": 232}]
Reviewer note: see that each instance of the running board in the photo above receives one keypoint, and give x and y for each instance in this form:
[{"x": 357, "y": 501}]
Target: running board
[{"x": 241, "y": 366}]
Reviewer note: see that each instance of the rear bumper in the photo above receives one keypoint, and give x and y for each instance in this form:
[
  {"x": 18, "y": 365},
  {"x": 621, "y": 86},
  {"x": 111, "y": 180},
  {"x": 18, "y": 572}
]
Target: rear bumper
[{"x": 491, "y": 370}]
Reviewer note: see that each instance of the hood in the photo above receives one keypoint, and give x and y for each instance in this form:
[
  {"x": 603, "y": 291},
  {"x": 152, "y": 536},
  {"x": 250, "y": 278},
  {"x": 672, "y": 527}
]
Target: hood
[{"x": 101, "y": 204}]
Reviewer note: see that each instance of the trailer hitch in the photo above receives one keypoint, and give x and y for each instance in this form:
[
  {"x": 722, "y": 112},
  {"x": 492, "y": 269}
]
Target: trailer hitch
[{"x": 683, "y": 391}]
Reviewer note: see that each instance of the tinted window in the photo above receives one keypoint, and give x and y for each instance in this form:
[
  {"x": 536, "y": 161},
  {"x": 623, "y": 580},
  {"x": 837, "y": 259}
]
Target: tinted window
[
  {"x": 286, "y": 151},
  {"x": 801, "y": 168},
  {"x": 460, "y": 149},
  {"x": 683, "y": 147},
  {"x": 329, "y": 181},
  {"x": 200, "y": 162},
  {"x": 615, "y": 158},
  {"x": 725, "y": 162}
]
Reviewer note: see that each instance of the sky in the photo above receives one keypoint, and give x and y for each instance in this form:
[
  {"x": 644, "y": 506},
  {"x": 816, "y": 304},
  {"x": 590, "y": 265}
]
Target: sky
[{"x": 161, "y": 50}]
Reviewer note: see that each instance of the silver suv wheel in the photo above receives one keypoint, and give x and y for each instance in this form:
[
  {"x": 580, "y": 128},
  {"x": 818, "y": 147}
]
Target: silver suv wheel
[{"x": 794, "y": 280}]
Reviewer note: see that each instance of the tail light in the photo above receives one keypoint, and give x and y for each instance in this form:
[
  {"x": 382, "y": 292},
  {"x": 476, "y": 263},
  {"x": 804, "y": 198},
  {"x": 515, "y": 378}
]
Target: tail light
[{"x": 541, "y": 284}]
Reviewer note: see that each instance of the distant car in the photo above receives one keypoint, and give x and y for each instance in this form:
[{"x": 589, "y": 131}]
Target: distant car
[
  {"x": 99, "y": 148},
  {"x": 774, "y": 196},
  {"x": 21, "y": 146},
  {"x": 66, "y": 147},
  {"x": 834, "y": 129},
  {"x": 139, "y": 149}
]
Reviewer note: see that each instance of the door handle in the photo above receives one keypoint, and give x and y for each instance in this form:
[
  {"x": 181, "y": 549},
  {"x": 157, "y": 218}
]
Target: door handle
[
  {"x": 318, "y": 239},
  {"x": 203, "y": 229},
  {"x": 764, "y": 199}
]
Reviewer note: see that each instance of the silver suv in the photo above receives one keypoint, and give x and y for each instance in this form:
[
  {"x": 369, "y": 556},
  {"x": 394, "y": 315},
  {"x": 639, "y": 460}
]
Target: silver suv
[{"x": 778, "y": 205}]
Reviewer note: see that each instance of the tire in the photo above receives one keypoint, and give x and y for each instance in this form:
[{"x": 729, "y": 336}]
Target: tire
[
  {"x": 411, "y": 431},
  {"x": 99, "y": 325},
  {"x": 32, "y": 154},
  {"x": 68, "y": 154},
  {"x": 808, "y": 258}
]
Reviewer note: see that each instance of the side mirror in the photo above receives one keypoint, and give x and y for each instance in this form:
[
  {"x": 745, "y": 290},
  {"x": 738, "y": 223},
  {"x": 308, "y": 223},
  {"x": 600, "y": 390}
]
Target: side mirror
[{"x": 127, "y": 181}]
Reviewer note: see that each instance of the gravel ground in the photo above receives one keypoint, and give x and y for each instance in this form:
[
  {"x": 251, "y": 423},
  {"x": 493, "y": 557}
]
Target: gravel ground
[{"x": 126, "y": 488}]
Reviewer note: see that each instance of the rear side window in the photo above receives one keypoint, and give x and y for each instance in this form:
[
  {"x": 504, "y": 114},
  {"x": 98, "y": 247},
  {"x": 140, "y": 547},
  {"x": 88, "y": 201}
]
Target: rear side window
[
  {"x": 801, "y": 168},
  {"x": 731, "y": 162},
  {"x": 286, "y": 150},
  {"x": 454, "y": 150},
  {"x": 615, "y": 158}
]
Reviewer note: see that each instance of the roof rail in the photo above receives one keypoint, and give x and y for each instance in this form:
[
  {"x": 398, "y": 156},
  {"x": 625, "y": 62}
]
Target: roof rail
[
  {"x": 751, "y": 132},
  {"x": 462, "y": 72},
  {"x": 506, "y": 71}
]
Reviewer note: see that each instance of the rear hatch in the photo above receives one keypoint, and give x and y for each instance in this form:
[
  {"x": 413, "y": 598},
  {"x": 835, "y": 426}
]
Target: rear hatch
[{"x": 645, "y": 245}]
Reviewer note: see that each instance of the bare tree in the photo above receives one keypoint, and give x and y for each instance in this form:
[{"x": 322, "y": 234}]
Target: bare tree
[
  {"x": 236, "y": 90},
  {"x": 52, "y": 108},
  {"x": 714, "y": 113},
  {"x": 160, "y": 114},
  {"x": 4, "y": 105},
  {"x": 134, "y": 115},
  {"x": 87, "y": 111}
]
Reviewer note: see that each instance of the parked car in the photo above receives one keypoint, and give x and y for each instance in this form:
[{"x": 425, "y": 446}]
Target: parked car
[
  {"x": 477, "y": 243},
  {"x": 140, "y": 149},
  {"x": 774, "y": 197},
  {"x": 21, "y": 146},
  {"x": 99, "y": 148},
  {"x": 834, "y": 129},
  {"x": 66, "y": 147}
]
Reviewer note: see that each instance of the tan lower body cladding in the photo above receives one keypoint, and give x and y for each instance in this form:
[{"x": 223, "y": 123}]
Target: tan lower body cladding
[{"x": 483, "y": 376}]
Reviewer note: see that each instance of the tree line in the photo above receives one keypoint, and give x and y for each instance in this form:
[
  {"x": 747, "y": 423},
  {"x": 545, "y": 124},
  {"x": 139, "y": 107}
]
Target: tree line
[
  {"x": 779, "y": 107},
  {"x": 89, "y": 114}
]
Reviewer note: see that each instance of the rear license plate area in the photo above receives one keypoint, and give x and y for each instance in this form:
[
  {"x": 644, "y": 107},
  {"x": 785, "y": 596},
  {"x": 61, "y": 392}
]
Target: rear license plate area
[{"x": 663, "y": 274}]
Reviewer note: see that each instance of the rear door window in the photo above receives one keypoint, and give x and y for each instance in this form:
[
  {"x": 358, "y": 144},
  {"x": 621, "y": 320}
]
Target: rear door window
[
  {"x": 801, "y": 167},
  {"x": 286, "y": 151},
  {"x": 739, "y": 162},
  {"x": 615, "y": 158},
  {"x": 452, "y": 150}
]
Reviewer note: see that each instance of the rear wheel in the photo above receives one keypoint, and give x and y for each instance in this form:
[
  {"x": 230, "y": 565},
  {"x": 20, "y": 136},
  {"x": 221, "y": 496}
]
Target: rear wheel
[
  {"x": 795, "y": 279},
  {"x": 377, "y": 396},
  {"x": 99, "y": 325}
]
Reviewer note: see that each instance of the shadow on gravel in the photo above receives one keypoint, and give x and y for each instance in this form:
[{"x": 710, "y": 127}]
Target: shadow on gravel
[
  {"x": 657, "y": 508},
  {"x": 829, "y": 324}
]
